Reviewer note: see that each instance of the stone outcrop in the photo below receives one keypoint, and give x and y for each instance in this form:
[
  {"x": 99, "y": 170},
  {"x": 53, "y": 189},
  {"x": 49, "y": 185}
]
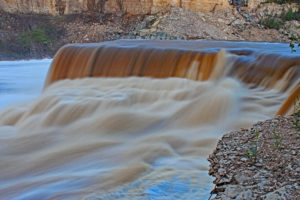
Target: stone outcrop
[
  {"x": 271, "y": 171},
  {"x": 229, "y": 24},
  {"x": 63, "y": 7}
]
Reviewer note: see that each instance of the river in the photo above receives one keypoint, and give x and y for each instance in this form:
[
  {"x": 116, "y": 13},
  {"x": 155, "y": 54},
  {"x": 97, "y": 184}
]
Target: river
[
  {"x": 126, "y": 135},
  {"x": 21, "y": 80}
]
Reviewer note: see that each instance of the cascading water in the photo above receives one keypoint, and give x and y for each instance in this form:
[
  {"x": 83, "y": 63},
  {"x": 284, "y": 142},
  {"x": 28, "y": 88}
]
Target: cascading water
[{"x": 112, "y": 132}]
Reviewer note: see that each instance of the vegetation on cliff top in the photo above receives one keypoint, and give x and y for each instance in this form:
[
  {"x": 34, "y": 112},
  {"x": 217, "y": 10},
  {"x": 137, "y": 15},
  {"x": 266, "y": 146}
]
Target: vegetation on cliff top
[
  {"x": 24, "y": 36},
  {"x": 281, "y": 1},
  {"x": 38, "y": 36}
]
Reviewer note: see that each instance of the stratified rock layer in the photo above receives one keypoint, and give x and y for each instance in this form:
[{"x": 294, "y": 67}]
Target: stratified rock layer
[{"x": 61, "y": 7}]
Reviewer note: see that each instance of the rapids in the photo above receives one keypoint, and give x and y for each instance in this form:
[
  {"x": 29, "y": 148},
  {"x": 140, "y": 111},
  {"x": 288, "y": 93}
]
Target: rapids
[{"x": 137, "y": 119}]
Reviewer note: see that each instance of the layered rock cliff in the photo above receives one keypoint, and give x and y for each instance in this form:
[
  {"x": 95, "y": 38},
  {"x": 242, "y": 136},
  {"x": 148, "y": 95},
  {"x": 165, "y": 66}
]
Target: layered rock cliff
[
  {"x": 37, "y": 36},
  {"x": 62, "y": 7}
]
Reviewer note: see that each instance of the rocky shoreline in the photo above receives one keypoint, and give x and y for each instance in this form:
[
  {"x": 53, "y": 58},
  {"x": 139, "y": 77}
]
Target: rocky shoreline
[
  {"x": 25, "y": 36},
  {"x": 259, "y": 163}
]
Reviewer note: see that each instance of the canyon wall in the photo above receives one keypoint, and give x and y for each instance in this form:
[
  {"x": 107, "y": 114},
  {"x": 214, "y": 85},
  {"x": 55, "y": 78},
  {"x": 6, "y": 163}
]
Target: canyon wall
[{"x": 63, "y": 7}]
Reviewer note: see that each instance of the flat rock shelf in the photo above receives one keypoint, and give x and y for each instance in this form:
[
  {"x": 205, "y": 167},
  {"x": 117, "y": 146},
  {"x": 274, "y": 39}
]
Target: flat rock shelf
[{"x": 262, "y": 162}]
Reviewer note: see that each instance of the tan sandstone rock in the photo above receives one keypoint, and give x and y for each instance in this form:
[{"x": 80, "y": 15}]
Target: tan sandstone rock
[{"x": 62, "y": 7}]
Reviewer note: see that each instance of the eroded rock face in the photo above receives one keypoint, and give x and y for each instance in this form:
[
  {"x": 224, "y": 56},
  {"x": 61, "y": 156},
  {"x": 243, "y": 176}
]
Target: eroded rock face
[
  {"x": 54, "y": 7},
  {"x": 62, "y": 7}
]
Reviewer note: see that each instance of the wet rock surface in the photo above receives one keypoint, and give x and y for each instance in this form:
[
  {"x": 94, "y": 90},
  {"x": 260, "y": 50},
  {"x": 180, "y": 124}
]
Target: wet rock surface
[{"x": 259, "y": 163}]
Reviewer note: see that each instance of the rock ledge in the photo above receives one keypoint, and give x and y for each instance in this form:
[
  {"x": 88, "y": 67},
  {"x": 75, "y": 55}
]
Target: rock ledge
[{"x": 259, "y": 163}]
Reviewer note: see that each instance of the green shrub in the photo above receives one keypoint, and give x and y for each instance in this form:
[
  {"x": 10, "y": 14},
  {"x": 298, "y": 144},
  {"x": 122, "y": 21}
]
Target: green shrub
[
  {"x": 271, "y": 22},
  {"x": 253, "y": 150},
  {"x": 293, "y": 44},
  {"x": 24, "y": 39},
  {"x": 290, "y": 15},
  {"x": 37, "y": 35},
  {"x": 281, "y": 1},
  {"x": 275, "y": 21}
]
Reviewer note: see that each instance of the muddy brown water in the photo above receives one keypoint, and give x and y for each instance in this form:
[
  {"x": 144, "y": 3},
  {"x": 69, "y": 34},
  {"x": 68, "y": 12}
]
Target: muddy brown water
[{"x": 137, "y": 119}]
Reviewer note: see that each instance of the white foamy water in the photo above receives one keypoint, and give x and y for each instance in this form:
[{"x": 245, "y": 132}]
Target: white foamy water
[
  {"x": 132, "y": 137},
  {"x": 21, "y": 80},
  {"x": 123, "y": 138}
]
